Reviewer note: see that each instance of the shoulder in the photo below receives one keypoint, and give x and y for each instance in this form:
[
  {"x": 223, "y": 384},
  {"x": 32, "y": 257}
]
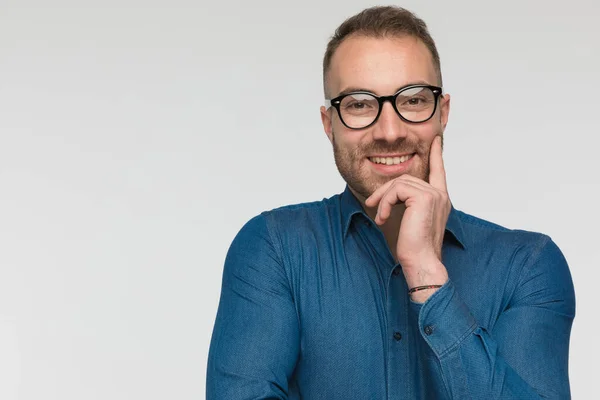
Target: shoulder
[
  {"x": 299, "y": 218},
  {"x": 290, "y": 222},
  {"x": 310, "y": 209},
  {"x": 268, "y": 244},
  {"x": 482, "y": 232},
  {"x": 535, "y": 257}
]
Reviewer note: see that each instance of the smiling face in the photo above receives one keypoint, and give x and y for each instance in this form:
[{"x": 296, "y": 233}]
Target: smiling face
[{"x": 382, "y": 66}]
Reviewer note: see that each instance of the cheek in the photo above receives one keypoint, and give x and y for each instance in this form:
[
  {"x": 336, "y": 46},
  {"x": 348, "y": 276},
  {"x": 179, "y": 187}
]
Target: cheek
[
  {"x": 336, "y": 123},
  {"x": 428, "y": 131},
  {"x": 347, "y": 140}
]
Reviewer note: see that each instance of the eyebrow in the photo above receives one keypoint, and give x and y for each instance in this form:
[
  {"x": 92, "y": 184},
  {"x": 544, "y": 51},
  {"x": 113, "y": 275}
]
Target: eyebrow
[{"x": 353, "y": 89}]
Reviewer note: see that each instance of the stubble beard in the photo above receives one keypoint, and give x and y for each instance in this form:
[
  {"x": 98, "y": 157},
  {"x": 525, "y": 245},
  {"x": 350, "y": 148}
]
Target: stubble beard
[{"x": 352, "y": 163}]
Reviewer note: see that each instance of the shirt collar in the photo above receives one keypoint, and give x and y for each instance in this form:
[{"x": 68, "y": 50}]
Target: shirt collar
[{"x": 351, "y": 207}]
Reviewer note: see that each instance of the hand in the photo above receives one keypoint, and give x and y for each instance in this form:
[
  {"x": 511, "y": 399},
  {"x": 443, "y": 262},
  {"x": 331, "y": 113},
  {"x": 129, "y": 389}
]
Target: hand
[{"x": 419, "y": 246}]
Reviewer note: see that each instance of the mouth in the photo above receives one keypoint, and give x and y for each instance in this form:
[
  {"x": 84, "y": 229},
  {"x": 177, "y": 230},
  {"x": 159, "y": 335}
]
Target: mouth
[
  {"x": 390, "y": 159},
  {"x": 391, "y": 164}
]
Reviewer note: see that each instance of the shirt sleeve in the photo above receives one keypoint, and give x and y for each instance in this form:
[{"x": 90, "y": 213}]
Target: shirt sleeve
[
  {"x": 255, "y": 340},
  {"x": 525, "y": 354}
]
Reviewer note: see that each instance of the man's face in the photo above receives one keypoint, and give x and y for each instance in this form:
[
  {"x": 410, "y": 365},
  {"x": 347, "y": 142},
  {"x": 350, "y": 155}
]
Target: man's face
[{"x": 382, "y": 66}]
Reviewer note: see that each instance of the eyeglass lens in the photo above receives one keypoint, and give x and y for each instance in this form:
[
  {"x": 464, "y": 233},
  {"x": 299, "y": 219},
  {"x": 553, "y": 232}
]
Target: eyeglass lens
[{"x": 414, "y": 104}]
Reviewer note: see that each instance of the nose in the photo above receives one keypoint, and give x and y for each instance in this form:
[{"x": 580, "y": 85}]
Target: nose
[{"x": 389, "y": 126}]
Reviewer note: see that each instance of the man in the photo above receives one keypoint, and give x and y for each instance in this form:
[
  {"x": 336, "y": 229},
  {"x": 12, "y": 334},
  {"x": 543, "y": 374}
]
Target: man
[{"x": 386, "y": 291}]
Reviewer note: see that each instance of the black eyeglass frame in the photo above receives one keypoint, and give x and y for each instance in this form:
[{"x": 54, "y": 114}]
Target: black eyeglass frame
[{"x": 335, "y": 102}]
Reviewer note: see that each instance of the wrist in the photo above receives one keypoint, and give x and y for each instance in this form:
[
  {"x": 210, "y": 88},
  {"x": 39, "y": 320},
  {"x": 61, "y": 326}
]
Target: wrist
[
  {"x": 428, "y": 276},
  {"x": 425, "y": 287},
  {"x": 431, "y": 272},
  {"x": 421, "y": 296}
]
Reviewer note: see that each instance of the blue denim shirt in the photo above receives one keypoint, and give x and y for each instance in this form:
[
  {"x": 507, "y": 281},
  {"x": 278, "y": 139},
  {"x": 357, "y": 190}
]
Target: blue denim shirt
[{"x": 314, "y": 306}]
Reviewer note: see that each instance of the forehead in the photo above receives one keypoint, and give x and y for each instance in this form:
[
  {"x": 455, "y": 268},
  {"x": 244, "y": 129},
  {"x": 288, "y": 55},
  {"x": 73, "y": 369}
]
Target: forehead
[{"x": 381, "y": 65}]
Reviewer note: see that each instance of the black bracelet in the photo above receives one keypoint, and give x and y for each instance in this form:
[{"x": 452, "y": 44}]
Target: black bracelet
[{"x": 416, "y": 289}]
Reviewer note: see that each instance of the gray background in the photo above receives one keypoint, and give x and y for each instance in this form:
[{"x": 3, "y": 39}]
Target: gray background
[{"x": 136, "y": 138}]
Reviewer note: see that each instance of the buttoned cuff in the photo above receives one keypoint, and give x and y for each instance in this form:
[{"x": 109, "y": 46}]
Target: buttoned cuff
[{"x": 445, "y": 321}]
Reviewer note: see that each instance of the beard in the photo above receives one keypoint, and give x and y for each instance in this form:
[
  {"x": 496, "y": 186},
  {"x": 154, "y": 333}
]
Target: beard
[{"x": 352, "y": 163}]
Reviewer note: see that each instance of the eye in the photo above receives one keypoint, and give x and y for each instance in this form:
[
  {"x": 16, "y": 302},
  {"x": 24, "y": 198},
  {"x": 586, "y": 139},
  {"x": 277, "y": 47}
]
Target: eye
[
  {"x": 357, "y": 105},
  {"x": 414, "y": 101}
]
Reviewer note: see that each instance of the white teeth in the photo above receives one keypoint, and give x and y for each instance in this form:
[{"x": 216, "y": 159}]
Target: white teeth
[{"x": 390, "y": 160}]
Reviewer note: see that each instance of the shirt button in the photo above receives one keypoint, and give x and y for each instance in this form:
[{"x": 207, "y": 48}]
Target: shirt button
[
  {"x": 428, "y": 330},
  {"x": 397, "y": 336},
  {"x": 396, "y": 271}
]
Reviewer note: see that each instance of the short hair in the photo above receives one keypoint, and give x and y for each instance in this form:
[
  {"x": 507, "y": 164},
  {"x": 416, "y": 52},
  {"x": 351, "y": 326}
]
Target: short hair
[{"x": 381, "y": 22}]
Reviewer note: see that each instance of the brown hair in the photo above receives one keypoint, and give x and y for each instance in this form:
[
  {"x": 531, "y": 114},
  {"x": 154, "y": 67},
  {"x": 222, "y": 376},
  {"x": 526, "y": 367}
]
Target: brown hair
[{"x": 380, "y": 22}]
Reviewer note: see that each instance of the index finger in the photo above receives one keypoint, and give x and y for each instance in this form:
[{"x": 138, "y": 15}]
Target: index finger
[
  {"x": 374, "y": 198},
  {"x": 437, "y": 172}
]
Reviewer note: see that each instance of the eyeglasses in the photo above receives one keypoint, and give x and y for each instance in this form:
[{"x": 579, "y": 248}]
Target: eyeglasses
[{"x": 359, "y": 110}]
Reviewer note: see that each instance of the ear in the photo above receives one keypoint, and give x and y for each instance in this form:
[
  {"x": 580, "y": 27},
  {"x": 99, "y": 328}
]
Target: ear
[
  {"x": 445, "y": 110},
  {"x": 326, "y": 120}
]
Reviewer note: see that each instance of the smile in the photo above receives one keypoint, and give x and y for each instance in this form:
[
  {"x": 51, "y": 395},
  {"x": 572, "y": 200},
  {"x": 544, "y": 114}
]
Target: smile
[{"x": 390, "y": 160}]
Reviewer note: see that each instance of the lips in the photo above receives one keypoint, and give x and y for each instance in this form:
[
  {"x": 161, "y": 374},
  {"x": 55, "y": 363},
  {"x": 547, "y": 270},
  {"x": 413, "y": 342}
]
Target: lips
[
  {"x": 391, "y": 165},
  {"x": 390, "y": 159}
]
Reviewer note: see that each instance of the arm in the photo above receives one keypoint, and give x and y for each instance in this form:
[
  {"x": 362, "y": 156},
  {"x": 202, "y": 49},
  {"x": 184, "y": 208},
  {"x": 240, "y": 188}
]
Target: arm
[
  {"x": 525, "y": 355},
  {"x": 255, "y": 341}
]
